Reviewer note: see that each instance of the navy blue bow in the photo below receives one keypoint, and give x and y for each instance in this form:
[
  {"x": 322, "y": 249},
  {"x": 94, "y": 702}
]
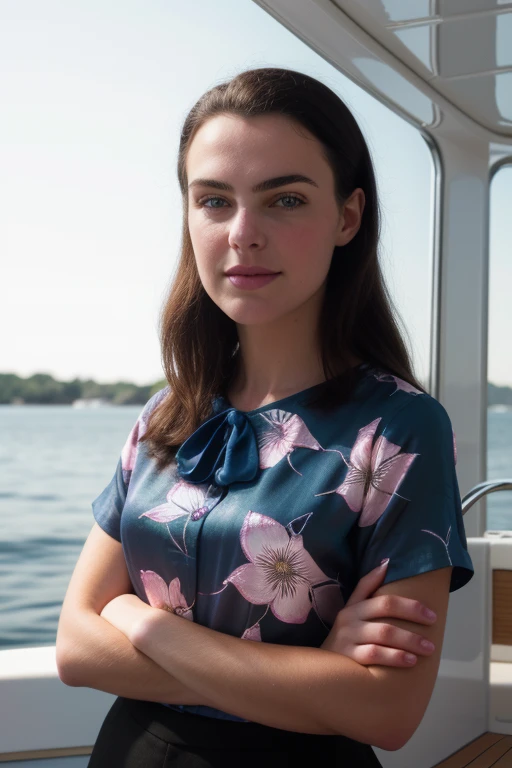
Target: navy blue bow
[{"x": 223, "y": 450}]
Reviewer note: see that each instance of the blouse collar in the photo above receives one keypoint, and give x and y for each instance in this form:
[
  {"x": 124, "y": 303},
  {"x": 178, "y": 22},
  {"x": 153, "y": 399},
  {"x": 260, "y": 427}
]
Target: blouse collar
[{"x": 224, "y": 448}]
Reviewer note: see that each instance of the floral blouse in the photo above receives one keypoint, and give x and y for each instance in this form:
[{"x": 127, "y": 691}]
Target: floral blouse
[{"x": 266, "y": 520}]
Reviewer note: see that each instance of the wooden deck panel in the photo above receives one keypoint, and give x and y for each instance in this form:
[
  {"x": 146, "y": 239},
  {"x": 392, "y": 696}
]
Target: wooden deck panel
[
  {"x": 502, "y": 607},
  {"x": 489, "y": 749}
]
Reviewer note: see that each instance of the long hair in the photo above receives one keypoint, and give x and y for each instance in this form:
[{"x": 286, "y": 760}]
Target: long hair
[{"x": 199, "y": 342}]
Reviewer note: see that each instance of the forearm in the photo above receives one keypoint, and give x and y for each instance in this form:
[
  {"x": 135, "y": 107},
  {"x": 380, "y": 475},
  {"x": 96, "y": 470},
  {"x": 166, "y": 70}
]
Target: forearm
[
  {"x": 102, "y": 657},
  {"x": 295, "y": 688}
]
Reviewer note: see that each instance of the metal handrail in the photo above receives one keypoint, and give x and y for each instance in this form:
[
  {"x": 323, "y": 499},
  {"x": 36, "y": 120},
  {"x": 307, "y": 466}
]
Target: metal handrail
[{"x": 482, "y": 489}]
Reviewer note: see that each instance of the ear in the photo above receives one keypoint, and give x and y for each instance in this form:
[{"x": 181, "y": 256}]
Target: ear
[{"x": 350, "y": 217}]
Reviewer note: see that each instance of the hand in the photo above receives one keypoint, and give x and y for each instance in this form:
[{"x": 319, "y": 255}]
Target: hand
[
  {"x": 128, "y": 613},
  {"x": 356, "y": 635}
]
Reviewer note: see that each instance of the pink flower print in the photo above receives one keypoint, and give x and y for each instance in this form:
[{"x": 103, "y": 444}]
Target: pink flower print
[
  {"x": 185, "y": 500},
  {"x": 400, "y": 384},
  {"x": 374, "y": 474},
  {"x": 252, "y": 633},
  {"x": 169, "y": 598},
  {"x": 281, "y": 571},
  {"x": 278, "y": 433},
  {"x": 355, "y": 485},
  {"x": 446, "y": 541},
  {"x": 129, "y": 451}
]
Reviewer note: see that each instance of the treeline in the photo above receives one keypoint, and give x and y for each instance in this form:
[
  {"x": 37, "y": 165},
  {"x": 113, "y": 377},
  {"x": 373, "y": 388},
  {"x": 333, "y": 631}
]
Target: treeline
[
  {"x": 499, "y": 395},
  {"x": 43, "y": 389}
]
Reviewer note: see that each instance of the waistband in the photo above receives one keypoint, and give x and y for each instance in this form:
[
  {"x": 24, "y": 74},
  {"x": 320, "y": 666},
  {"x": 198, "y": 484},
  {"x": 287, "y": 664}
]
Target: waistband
[
  {"x": 199, "y": 732},
  {"x": 203, "y": 710}
]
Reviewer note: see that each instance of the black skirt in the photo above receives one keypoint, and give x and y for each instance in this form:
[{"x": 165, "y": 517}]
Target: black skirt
[{"x": 145, "y": 734}]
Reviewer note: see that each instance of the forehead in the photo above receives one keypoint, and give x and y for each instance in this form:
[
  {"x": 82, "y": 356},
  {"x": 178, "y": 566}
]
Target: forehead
[{"x": 231, "y": 142}]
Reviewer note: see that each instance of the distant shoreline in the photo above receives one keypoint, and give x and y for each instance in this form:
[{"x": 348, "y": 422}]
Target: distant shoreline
[
  {"x": 43, "y": 389},
  {"x": 72, "y": 405}
]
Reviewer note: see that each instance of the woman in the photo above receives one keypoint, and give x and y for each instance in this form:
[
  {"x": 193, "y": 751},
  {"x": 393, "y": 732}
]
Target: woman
[{"x": 291, "y": 454}]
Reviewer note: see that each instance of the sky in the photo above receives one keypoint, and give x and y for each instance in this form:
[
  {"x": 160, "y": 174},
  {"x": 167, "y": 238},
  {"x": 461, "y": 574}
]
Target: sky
[{"x": 94, "y": 94}]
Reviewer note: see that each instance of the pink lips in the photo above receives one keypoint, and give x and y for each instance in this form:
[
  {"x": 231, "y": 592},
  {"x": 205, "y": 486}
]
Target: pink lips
[
  {"x": 250, "y": 278},
  {"x": 250, "y": 282}
]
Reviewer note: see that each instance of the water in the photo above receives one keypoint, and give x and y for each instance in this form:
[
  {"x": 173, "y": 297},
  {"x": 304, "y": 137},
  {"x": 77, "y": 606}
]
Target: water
[
  {"x": 56, "y": 460},
  {"x": 499, "y": 466}
]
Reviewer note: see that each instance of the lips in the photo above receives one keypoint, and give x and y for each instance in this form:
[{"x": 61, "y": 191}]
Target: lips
[
  {"x": 250, "y": 271},
  {"x": 252, "y": 282}
]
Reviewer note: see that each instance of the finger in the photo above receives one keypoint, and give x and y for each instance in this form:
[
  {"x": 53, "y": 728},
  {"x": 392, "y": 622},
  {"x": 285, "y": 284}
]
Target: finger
[
  {"x": 368, "y": 655},
  {"x": 368, "y": 584},
  {"x": 395, "y": 637},
  {"x": 396, "y": 607}
]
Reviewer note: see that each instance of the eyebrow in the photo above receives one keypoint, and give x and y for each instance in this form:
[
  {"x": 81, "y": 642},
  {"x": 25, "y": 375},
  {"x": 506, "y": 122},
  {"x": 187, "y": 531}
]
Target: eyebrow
[{"x": 262, "y": 186}]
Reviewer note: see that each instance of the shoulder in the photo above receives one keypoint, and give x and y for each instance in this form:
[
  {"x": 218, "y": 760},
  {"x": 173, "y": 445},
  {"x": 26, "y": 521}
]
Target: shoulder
[
  {"x": 131, "y": 450},
  {"x": 399, "y": 401},
  {"x": 422, "y": 424},
  {"x": 153, "y": 402},
  {"x": 420, "y": 409},
  {"x": 407, "y": 415}
]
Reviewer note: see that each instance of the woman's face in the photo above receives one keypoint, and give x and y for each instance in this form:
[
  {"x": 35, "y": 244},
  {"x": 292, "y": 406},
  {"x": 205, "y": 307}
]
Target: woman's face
[{"x": 286, "y": 226}]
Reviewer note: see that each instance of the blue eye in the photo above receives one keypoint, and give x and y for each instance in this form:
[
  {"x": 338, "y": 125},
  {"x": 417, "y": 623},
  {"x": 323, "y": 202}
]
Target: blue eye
[
  {"x": 298, "y": 200},
  {"x": 291, "y": 197},
  {"x": 207, "y": 199}
]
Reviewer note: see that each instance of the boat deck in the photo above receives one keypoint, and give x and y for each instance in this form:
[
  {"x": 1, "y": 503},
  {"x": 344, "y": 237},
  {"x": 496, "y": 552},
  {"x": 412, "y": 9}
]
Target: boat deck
[{"x": 489, "y": 749}]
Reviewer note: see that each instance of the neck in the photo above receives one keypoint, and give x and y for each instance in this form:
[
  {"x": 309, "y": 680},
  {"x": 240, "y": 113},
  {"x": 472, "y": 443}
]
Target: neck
[{"x": 278, "y": 359}]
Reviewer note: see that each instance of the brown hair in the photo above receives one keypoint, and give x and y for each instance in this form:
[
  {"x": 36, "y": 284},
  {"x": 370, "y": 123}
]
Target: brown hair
[{"x": 199, "y": 342}]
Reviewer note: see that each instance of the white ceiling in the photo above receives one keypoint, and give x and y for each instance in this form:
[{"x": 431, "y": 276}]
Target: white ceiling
[{"x": 462, "y": 48}]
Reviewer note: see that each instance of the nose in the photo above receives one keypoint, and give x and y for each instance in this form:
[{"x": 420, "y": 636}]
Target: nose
[{"x": 245, "y": 231}]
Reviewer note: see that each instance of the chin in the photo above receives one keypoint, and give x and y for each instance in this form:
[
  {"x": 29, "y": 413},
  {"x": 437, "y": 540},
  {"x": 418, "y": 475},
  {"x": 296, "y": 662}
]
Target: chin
[{"x": 242, "y": 313}]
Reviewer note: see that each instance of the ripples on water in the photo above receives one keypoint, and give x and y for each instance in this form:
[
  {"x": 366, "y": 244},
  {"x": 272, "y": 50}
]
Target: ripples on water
[{"x": 55, "y": 460}]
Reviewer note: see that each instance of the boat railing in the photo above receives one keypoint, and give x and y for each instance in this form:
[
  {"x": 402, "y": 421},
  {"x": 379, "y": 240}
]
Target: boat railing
[{"x": 483, "y": 489}]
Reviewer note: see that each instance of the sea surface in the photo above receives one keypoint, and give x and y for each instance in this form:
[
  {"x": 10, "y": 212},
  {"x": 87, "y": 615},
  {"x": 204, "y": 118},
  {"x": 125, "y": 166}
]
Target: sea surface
[{"x": 54, "y": 460}]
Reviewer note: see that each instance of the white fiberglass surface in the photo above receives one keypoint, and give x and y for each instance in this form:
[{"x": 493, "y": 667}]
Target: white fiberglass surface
[{"x": 398, "y": 10}]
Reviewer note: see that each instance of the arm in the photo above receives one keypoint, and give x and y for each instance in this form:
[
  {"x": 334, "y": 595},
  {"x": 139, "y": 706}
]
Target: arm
[
  {"x": 304, "y": 689},
  {"x": 90, "y": 651},
  {"x": 363, "y": 633},
  {"x": 102, "y": 657}
]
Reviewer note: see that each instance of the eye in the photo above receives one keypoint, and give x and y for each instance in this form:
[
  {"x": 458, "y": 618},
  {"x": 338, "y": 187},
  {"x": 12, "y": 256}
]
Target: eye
[
  {"x": 291, "y": 197},
  {"x": 205, "y": 200},
  {"x": 214, "y": 198}
]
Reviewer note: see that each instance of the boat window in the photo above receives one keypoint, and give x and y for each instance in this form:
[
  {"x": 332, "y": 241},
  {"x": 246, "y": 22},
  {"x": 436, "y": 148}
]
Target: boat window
[{"x": 499, "y": 357}]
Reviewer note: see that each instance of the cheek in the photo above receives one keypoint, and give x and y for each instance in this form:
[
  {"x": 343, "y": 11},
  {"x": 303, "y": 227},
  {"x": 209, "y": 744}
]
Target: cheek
[
  {"x": 208, "y": 245},
  {"x": 307, "y": 254}
]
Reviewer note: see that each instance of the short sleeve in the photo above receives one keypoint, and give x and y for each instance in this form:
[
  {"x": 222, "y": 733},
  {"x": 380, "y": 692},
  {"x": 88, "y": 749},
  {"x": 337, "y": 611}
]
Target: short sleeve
[
  {"x": 108, "y": 506},
  {"x": 412, "y": 512}
]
